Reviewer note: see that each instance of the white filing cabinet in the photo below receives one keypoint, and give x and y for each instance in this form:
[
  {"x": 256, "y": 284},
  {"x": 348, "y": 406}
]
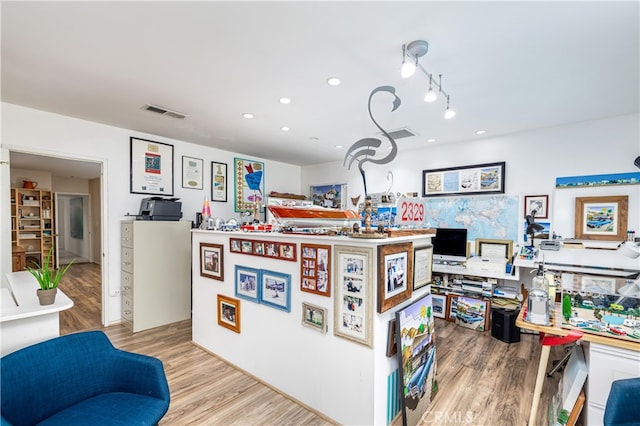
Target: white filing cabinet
[{"x": 155, "y": 273}]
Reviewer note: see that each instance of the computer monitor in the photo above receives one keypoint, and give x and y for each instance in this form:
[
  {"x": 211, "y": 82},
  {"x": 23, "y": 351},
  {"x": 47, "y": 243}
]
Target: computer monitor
[{"x": 449, "y": 245}]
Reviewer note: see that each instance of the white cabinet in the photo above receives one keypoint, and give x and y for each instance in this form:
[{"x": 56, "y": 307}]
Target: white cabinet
[{"x": 155, "y": 277}]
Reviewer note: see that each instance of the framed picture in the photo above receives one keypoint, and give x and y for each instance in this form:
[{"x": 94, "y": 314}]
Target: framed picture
[
  {"x": 229, "y": 313},
  {"x": 248, "y": 184},
  {"x": 353, "y": 294},
  {"x": 192, "y": 172},
  {"x": 415, "y": 337},
  {"x": 439, "y": 305},
  {"x": 212, "y": 261},
  {"x": 315, "y": 269},
  {"x": 476, "y": 179},
  {"x": 632, "y": 178},
  {"x": 452, "y": 307},
  {"x": 494, "y": 249},
  {"x": 395, "y": 274},
  {"x": 247, "y": 283},
  {"x": 277, "y": 250},
  {"x": 422, "y": 266},
  {"x": 218, "y": 181},
  {"x": 314, "y": 317},
  {"x": 602, "y": 218},
  {"x": 331, "y": 196},
  {"x": 392, "y": 349},
  {"x": 539, "y": 203},
  {"x": 151, "y": 167},
  {"x": 472, "y": 313},
  {"x": 275, "y": 290}
]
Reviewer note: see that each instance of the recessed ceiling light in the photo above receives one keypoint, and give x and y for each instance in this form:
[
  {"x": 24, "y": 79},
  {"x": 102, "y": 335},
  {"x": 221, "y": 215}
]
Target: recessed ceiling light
[
  {"x": 247, "y": 115},
  {"x": 333, "y": 81},
  {"x": 338, "y": 146},
  {"x": 285, "y": 101},
  {"x": 480, "y": 132},
  {"x": 431, "y": 140},
  {"x": 285, "y": 128}
]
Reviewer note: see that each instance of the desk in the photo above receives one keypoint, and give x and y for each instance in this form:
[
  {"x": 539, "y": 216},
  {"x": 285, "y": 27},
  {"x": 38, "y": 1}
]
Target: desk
[
  {"x": 555, "y": 328},
  {"x": 23, "y": 321}
]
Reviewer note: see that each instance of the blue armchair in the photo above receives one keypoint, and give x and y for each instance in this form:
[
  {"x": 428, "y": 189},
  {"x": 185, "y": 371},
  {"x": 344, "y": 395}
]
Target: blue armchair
[
  {"x": 623, "y": 404},
  {"x": 81, "y": 379}
]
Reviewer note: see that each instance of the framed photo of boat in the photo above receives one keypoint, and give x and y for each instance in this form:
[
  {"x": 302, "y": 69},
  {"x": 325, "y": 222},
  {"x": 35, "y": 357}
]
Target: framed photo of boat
[
  {"x": 315, "y": 269},
  {"x": 353, "y": 294},
  {"x": 601, "y": 218},
  {"x": 395, "y": 274},
  {"x": 486, "y": 178}
]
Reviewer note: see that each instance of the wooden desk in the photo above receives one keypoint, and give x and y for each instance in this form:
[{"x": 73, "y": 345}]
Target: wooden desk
[{"x": 556, "y": 329}]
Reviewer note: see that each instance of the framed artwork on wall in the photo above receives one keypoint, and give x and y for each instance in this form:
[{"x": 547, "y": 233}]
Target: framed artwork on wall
[
  {"x": 422, "y": 266},
  {"x": 218, "y": 181},
  {"x": 602, "y": 218},
  {"x": 539, "y": 203},
  {"x": 315, "y": 269},
  {"x": 275, "y": 290},
  {"x": 314, "y": 317},
  {"x": 248, "y": 184},
  {"x": 395, "y": 274},
  {"x": 212, "y": 261},
  {"x": 247, "y": 283},
  {"x": 392, "y": 348},
  {"x": 353, "y": 294},
  {"x": 229, "y": 313},
  {"x": 151, "y": 167},
  {"x": 465, "y": 180},
  {"x": 192, "y": 172}
]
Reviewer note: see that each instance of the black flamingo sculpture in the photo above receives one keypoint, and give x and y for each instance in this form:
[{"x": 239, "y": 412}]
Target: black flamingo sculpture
[{"x": 364, "y": 149}]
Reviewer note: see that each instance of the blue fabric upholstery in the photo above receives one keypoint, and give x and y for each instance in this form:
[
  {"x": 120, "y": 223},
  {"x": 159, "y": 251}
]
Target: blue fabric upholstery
[
  {"x": 623, "y": 403},
  {"x": 81, "y": 379}
]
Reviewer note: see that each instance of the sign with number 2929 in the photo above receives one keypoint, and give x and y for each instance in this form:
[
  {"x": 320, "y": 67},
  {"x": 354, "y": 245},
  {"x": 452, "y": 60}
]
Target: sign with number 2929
[{"x": 411, "y": 211}]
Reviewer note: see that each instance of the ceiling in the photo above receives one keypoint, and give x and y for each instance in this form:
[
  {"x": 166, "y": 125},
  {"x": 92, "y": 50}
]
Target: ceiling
[{"x": 508, "y": 67}]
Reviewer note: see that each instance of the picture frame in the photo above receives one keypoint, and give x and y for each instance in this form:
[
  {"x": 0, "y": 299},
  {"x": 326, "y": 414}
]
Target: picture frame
[
  {"x": 192, "y": 172},
  {"x": 472, "y": 313},
  {"x": 392, "y": 348},
  {"x": 353, "y": 304},
  {"x": 229, "y": 313},
  {"x": 494, "y": 249},
  {"x": 589, "y": 181},
  {"x": 247, "y": 283},
  {"x": 314, "y": 317},
  {"x": 248, "y": 184},
  {"x": 486, "y": 178},
  {"x": 315, "y": 269},
  {"x": 218, "y": 182},
  {"x": 275, "y": 290},
  {"x": 422, "y": 266},
  {"x": 539, "y": 203},
  {"x": 601, "y": 218},
  {"x": 151, "y": 167},
  {"x": 212, "y": 261},
  {"x": 395, "y": 274},
  {"x": 333, "y": 196},
  {"x": 452, "y": 307},
  {"x": 416, "y": 356},
  {"x": 272, "y": 249},
  {"x": 440, "y": 305}
]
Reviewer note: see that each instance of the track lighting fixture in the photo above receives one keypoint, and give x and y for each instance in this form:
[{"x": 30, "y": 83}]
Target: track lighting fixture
[{"x": 411, "y": 53}]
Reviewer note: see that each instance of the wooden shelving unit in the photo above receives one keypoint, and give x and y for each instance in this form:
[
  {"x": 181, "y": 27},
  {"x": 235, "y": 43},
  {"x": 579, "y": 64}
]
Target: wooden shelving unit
[{"x": 32, "y": 225}]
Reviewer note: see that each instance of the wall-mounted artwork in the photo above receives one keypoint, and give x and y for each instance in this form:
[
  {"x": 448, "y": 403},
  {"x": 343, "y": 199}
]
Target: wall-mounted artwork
[
  {"x": 476, "y": 179},
  {"x": 275, "y": 290},
  {"x": 212, "y": 261},
  {"x": 395, "y": 274},
  {"x": 247, "y": 283},
  {"x": 229, "y": 313},
  {"x": 192, "y": 172},
  {"x": 315, "y": 269},
  {"x": 538, "y": 204},
  {"x": 602, "y": 218},
  {"x": 632, "y": 178},
  {"x": 331, "y": 196},
  {"x": 248, "y": 184},
  {"x": 151, "y": 167},
  {"x": 218, "y": 181},
  {"x": 314, "y": 317}
]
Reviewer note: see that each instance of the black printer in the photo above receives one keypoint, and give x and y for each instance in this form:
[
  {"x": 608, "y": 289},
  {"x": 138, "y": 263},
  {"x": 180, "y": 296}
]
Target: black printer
[{"x": 158, "y": 208}]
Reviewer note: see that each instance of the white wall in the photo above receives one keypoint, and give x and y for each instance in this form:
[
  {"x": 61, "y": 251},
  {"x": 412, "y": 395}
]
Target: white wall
[
  {"x": 533, "y": 161},
  {"x": 37, "y": 132}
]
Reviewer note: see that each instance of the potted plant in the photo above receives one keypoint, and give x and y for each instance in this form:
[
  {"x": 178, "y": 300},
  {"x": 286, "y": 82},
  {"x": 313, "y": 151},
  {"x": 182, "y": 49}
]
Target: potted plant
[{"x": 47, "y": 278}]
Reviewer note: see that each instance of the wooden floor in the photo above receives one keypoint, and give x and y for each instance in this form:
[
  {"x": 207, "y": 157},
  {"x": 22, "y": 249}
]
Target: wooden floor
[{"x": 482, "y": 380}]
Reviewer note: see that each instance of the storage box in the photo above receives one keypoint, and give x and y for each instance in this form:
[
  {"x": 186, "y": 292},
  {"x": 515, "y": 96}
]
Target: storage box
[{"x": 478, "y": 264}]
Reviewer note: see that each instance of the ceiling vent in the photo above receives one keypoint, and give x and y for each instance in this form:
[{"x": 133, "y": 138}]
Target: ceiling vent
[
  {"x": 400, "y": 133},
  {"x": 165, "y": 111}
]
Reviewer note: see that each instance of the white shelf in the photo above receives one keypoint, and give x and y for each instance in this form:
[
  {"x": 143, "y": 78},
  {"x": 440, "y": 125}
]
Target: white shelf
[{"x": 462, "y": 270}]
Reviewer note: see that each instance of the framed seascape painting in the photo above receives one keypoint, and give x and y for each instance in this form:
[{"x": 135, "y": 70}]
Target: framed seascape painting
[
  {"x": 314, "y": 317},
  {"x": 602, "y": 218},
  {"x": 415, "y": 337},
  {"x": 315, "y": 269},
  {"x": 151, "y": 167},
  {"x": 275, "y": 290},
  {"x": 353, "y": 294},
  {"x": 229, "y": 313},
  {"x": 247, "y": 283},
  {"x": 248, "y": 184},
  {"x": 211, "y": 261},
  {"x": 395, "y": 274}
]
